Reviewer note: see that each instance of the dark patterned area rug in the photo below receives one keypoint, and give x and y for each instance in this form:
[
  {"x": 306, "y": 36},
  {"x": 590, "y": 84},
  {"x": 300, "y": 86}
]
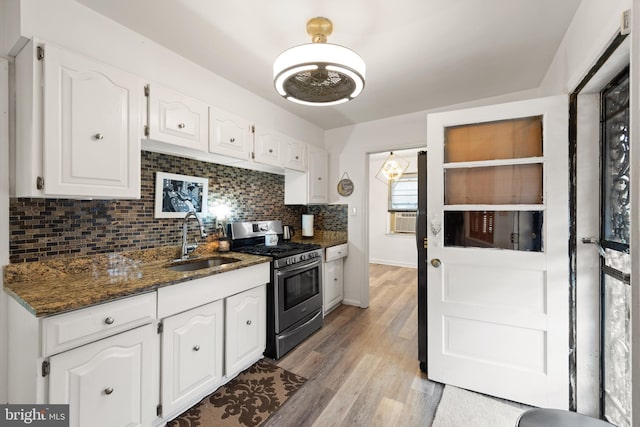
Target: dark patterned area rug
[{"x": 247, "y": 400}]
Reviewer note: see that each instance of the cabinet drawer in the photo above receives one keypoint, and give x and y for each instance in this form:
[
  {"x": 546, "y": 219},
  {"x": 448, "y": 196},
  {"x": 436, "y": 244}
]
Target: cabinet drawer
[
  {"x": 335, "y": 252},
  {"x": 70, "y": 330}
]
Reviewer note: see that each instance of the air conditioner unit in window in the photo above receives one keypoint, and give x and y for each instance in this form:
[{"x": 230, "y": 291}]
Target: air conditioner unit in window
[{"x": 405, "y": 222}]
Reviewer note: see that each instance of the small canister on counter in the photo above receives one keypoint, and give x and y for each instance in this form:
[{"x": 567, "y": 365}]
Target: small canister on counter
[{"x": 224, "y": 244}]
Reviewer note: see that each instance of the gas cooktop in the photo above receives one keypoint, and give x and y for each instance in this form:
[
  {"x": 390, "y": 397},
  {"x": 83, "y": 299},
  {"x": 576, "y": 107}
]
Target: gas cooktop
[{"x": 279, "y": 251}]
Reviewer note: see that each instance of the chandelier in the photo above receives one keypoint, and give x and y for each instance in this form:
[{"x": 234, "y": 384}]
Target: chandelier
[
  {"x": 319, "y": 73},
  {"x": 392, "y": 169}
]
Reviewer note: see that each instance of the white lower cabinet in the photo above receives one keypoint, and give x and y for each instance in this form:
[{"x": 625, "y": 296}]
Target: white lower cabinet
[
  {"x": 192, "y": 352},
  {"x": 333, "y": 276},
  {"x": 115, "y": 366},
  {"x": 246, "y": 329},
  {"x": 333, "y": 284},
  {"x": 110, "y": 382}
]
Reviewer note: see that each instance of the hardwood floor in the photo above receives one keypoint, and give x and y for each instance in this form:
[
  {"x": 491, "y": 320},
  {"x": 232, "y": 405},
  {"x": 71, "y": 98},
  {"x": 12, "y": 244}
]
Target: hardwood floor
[{"x": 362, "y": 366}]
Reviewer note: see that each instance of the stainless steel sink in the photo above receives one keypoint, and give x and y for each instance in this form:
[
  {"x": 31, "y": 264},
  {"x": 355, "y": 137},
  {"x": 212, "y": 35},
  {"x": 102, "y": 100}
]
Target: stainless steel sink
[{"x": 199, "y": 264}]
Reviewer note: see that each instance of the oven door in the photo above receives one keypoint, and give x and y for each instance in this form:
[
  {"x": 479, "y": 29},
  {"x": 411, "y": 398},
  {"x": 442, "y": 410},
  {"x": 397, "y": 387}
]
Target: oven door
[{"x": 298, "y": 291}]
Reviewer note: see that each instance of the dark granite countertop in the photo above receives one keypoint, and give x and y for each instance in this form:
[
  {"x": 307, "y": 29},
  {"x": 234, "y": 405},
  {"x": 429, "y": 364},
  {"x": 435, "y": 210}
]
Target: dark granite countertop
[
  {"x": 56, "y": 286},
  {"x": 323, "y": 238}
]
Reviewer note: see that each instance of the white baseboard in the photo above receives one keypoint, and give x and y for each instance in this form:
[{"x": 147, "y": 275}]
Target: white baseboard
[{"x": 352, "y": 302}]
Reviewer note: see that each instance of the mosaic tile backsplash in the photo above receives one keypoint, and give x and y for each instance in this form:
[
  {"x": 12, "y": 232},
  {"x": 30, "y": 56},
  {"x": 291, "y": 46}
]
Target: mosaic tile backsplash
[{"x": 41, "y": 229}]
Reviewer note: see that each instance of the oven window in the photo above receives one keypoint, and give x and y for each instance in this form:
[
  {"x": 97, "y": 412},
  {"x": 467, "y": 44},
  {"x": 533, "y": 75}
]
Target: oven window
[{"x": 300, "y": 287}]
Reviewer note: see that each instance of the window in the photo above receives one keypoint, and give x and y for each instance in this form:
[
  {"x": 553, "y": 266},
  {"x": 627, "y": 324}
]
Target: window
[
  {"x": 403, "y": 194},
  {"x": 403, "y": 204},
  {"x": 481, "y": 226},
  {"x": 494, "y": 186}
]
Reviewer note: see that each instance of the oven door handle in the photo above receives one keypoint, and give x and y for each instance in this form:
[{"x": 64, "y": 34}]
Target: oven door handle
[
  {"x": 297, "y": 267},
  {"x": 297, "y": 329}
]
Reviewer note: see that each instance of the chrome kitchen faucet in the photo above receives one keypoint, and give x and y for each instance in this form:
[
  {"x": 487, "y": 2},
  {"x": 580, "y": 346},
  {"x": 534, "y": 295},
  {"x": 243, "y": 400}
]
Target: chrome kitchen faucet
[{"x": 188, "y": 248}]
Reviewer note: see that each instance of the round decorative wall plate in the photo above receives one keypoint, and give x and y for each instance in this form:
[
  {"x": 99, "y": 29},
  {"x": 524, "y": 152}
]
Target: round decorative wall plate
[{"x": 345, "y": 186}]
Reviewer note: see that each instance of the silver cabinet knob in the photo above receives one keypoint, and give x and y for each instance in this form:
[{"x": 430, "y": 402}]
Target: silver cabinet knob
[
  {"x": 335, "y": 279},
  {"x": 297, "y": 158},
  {"x": 98, "y": 136},
  {"x": 319, "y": 178},
  {"x": 232, "y": 139},
  {"x": 181, "y": 125},
  {"x": 248, "y": 322},
  {"x": 109, "y": 320},
  {"x": 108, "y": 390},
  {"x": 196, "y": 347},
  {"x": 436, "y": 262},
  {"x": 271, "y": 150}
]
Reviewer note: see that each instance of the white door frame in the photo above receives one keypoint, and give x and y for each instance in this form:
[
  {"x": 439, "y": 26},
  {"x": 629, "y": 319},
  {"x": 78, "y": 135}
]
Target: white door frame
[
  {"x": 635, "y": 213},
  {"x": 586, "y": 216},
  {"x": 4, "y": 219}
]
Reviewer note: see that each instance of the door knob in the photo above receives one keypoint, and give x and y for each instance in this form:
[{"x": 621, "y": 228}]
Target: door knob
[{"x": 436, "y": 262}]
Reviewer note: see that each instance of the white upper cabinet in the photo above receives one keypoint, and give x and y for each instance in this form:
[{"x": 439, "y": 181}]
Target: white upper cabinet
[
  {"x": 268, "y": 146},
  {"x": 77, "y": 121},
  {"x": 230, "y": 135},
  {"x": 295, "y": 155},
  {"x": 318, "y": 175},
  {"x": 311, "y": 187},
  {"x": 177, "y": 119}
]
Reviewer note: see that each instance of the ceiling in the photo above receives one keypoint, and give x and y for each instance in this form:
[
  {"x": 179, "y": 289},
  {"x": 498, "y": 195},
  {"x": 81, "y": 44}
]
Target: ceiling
[{"x": 420, "y": 54}]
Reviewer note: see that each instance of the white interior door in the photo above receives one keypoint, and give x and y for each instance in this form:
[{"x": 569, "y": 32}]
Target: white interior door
[{"x": 498, "y": 231}]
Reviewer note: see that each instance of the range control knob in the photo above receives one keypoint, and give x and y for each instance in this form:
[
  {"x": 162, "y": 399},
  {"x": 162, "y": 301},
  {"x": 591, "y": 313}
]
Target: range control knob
[{"x": 303, "y": 257}]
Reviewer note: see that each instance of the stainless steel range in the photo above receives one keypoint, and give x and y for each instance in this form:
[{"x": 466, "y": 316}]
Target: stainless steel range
[{"x": 294, "y": 296}]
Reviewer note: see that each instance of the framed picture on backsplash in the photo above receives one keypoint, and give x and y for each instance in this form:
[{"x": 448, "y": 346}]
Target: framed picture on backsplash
[{"x": 178, "y": 194}]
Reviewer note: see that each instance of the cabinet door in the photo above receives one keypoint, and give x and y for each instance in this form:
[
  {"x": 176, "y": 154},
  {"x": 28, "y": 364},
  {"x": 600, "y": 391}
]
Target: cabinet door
[
  {"x": 295, "y": 155},
  {"x": 191, "y": 355},
  {"x": 91, "y": 138},
  {"x": 178, "y": 119},
  {"x": 333, "y": 284},
  {"x": 268, "y": 147},
  {"x": 245, "y": 329},
  {"x": 230, "y": 135},
  {"x": 317, "y": 175},
  {"x": 110, "y": 382}
]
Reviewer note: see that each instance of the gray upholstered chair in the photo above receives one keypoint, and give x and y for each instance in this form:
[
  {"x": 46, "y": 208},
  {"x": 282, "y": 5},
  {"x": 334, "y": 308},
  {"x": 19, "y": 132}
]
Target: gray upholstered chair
[{"x": 539, "y": 417}]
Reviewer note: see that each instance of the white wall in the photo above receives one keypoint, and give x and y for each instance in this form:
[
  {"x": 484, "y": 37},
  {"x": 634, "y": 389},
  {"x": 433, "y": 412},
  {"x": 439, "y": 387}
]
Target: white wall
[
  {"x": 386, "y": 248},
  {"x": 76, "y": 27},
  {"x": 593, "y": 26},
  {"x": 4, "y": 217}
]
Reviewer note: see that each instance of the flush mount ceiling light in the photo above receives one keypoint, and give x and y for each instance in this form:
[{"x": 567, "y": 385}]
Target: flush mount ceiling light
[
  {"x": 319, "y": 73},
  {"x": 392, "y": 169}
]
